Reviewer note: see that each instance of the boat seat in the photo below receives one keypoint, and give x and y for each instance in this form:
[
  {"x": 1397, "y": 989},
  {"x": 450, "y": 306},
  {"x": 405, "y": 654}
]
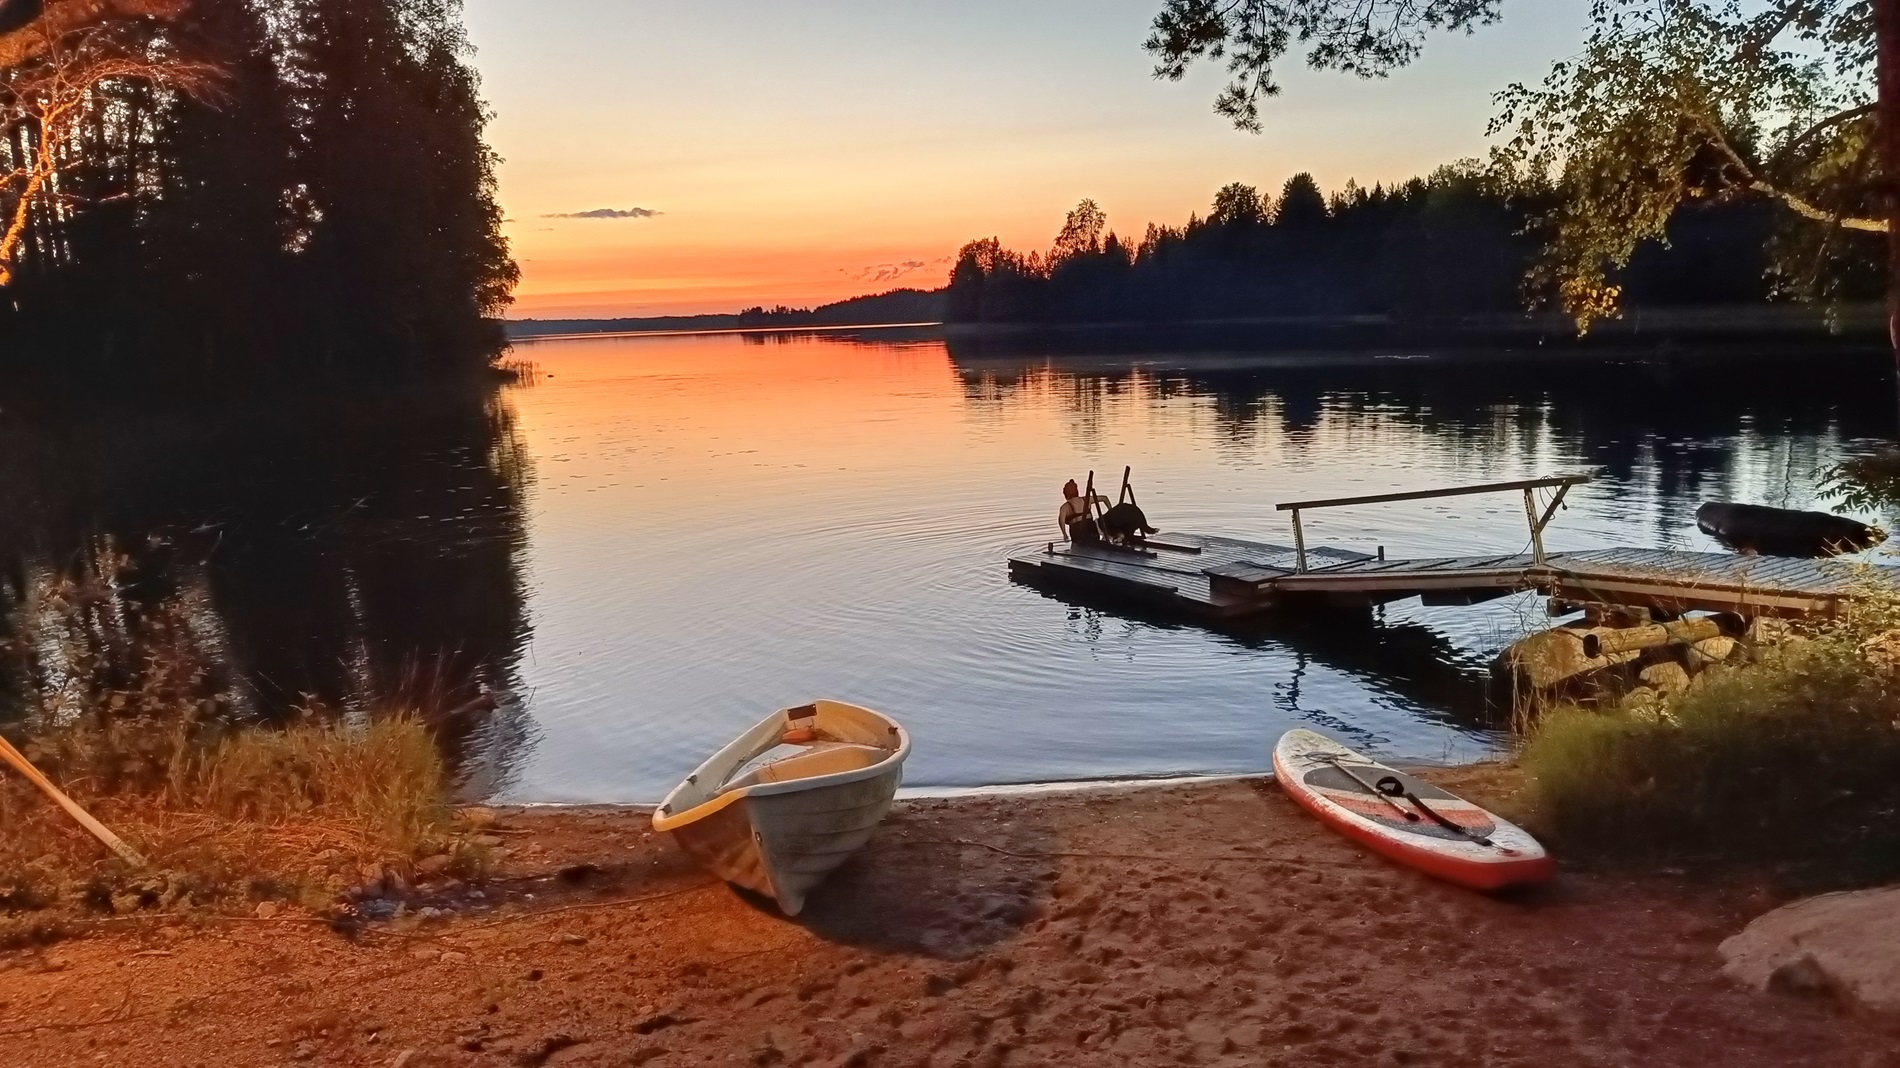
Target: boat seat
[{"x": 823, "y": 759}]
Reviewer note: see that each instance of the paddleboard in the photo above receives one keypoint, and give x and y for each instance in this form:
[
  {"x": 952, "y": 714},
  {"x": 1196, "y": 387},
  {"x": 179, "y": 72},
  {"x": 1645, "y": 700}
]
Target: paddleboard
[{"x": 1405, "y": 818}]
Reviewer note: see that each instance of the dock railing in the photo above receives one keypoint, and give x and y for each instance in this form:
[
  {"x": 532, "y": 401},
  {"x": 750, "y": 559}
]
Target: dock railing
[{"x": 1561, "y": 483}]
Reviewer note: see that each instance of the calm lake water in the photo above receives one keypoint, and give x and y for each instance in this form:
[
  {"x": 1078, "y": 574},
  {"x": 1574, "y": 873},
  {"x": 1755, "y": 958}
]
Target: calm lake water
[{"x": 656, "y": 540}]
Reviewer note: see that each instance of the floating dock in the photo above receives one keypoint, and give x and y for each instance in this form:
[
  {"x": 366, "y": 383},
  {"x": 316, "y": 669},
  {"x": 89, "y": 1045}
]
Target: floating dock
[{"x": 1211, "y": 579}]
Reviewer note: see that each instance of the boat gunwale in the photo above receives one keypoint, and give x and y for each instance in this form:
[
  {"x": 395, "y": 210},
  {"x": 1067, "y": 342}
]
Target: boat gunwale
[{"x": 891, "y": 762}]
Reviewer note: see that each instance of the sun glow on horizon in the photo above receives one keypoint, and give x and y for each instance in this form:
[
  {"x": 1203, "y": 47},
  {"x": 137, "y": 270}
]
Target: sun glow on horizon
[{"x": 801, "y": 154}]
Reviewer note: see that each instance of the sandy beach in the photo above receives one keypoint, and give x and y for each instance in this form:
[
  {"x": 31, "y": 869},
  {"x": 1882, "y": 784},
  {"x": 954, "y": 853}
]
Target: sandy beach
[{"x": 1205, "y": 924}]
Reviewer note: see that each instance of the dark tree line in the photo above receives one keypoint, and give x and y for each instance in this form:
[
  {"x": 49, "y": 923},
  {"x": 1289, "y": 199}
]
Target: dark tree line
[
  {"x": 326, "y": 204},
  {"x": 1447, "y": 245}
]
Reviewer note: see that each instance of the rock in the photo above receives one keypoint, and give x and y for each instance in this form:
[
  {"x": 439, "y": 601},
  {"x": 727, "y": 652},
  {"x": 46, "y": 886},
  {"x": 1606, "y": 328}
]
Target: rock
[
  {"x": 402, "y": 1059},
  {"x": 479, "y": 818},
  {"x": 1767, "y": 630},
  {"x": 454, "y": 957},
  {"x": 265, "y": 909},
  {"x": 486, "y": 841},
  {"x": 430, "y": 913},
  {"x": 303, "y": 1051},
  {"x": 1800, "y": 976},
  {"x": 1883, "y": 650},
  {"x": 435, "y": 865},
  {"x": 1845, "y": 946},
  {"x": 1666, "y": 677},
  {"x": 536, "y": 1053},
  {"x": 571, "y": 939},
  {"x": 1714, "y": 650}
]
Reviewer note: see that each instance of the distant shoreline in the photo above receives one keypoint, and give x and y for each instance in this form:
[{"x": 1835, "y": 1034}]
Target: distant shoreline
[
  {"x": 693, "y": 331},
  {"x": 1649, "y": 329}
]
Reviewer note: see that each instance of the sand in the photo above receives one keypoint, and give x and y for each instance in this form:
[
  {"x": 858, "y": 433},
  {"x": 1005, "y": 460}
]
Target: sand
[{"x": 1205, "y": 924}]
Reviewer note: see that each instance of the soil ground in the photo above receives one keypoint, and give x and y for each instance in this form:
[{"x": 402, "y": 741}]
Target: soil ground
[{"x": 1204, "y": 924}]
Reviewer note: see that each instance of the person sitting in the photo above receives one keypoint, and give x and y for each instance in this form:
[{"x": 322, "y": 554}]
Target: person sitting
[{"x": 1077, "y": 524}]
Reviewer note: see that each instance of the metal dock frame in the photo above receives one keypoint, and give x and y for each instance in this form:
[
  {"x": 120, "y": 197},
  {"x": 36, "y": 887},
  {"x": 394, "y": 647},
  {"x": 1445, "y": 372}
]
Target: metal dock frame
[{"x": 1538, "y": 523}]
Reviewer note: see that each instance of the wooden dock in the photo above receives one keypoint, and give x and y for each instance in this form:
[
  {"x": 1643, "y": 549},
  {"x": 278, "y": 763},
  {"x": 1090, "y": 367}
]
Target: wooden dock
[{"x": 1213, "y": 578}]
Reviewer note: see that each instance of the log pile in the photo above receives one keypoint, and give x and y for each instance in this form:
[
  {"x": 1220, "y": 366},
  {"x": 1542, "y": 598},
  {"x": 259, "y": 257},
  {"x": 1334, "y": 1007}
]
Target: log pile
[{"x": 1616, "y": 651}]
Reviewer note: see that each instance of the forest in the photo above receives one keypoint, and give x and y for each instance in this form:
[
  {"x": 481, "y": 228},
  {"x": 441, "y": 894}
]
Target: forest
[
  {"x": 1448, "y": 245},
  {"x": 248, "y": 189}
]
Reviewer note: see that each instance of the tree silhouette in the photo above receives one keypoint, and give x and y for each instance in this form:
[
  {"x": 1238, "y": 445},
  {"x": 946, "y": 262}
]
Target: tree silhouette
[
  {"x": 1448, "y": 245},
  {"x": 1672, "y": 101},
  {"x": 1301, "y": 202},
  {"x": 332, "y": 210},
  {"x": 1238, "y": 204}
]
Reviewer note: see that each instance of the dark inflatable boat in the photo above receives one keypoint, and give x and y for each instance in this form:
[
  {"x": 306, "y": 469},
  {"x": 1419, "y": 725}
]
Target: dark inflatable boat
[{"x": 1754, "y": 528}]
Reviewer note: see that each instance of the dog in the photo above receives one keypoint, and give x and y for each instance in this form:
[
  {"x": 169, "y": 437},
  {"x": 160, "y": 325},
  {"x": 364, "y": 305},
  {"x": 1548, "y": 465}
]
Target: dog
[{"x": 1126, "y": 524}]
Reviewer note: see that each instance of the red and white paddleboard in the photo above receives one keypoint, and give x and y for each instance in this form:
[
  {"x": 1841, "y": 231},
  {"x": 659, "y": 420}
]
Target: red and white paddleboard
[{"x": 1406, "y": 818}]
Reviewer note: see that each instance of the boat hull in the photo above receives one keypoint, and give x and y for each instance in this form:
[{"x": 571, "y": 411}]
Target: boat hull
[
  {"x": 781, "y": 828},
  {"x": 783, "y": 846},
  {"x": 1335, "y": 784}
]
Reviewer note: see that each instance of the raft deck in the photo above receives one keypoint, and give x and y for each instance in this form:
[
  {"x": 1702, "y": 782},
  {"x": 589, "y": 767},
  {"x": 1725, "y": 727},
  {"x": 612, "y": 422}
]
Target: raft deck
[{"x": 1212, "y": 578}]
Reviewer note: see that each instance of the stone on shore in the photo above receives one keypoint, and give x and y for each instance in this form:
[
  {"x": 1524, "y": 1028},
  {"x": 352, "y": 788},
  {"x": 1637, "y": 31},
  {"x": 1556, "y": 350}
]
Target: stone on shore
[{"x": 1845, "y": 946}]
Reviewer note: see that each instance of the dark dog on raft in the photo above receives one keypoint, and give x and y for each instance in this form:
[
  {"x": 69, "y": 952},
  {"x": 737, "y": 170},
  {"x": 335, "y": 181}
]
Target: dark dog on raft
[{"x": 1125, "y": 524}]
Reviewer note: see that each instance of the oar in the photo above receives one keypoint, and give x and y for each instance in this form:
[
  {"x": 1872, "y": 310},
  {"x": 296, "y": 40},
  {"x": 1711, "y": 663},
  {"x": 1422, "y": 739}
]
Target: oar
[{"x": 113, "y": 842}]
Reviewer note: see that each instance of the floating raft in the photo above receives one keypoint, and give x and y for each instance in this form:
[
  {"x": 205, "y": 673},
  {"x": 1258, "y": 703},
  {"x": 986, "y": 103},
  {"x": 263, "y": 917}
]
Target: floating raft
[{"x": 1208, "y": 578}]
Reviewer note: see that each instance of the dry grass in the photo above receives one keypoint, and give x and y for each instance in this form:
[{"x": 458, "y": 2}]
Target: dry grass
[
  {"x": 128, "y": 712},
  {"x": 296, "y": 814},
  {"x": 1792, "y": 761}
]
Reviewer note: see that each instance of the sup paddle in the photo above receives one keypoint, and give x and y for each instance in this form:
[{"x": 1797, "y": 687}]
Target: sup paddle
[
  {"x": 1391, "y": 786},
  {"x": 1410, "y": 817}
]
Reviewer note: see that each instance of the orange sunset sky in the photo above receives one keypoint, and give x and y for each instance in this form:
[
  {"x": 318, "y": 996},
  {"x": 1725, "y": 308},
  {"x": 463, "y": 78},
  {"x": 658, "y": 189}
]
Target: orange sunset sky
[{"x": 769, "y": 151}]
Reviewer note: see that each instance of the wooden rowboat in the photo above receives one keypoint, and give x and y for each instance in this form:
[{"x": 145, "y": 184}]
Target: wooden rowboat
[
  {"x": 779, "y": 827},
  {"x": 1404, "y": 818}
]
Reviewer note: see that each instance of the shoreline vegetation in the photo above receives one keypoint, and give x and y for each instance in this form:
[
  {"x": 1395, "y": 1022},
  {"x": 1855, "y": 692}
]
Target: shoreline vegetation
[{"x": 1856, "y": 329}]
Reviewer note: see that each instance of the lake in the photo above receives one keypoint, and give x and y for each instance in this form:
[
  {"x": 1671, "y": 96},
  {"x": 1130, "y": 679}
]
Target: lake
[{"x": 652, "y": 541}]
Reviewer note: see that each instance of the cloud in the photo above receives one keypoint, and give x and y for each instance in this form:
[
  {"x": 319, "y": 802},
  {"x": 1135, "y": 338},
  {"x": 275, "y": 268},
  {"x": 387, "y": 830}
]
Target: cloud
[
  {"x": 605, "y": 213},
  {"x": 890, "y": 272}
]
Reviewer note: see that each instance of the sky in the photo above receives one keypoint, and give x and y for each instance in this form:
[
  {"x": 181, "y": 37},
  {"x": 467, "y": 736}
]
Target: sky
[{"x": 742, "y": 152}]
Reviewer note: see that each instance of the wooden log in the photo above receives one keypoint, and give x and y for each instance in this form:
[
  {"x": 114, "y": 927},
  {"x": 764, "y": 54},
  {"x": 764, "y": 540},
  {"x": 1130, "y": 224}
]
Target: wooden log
[
  {"x": 99, "y": 830},
  {"x": 1550, "y": 658},
  {"x": 1685, "y": 631}
]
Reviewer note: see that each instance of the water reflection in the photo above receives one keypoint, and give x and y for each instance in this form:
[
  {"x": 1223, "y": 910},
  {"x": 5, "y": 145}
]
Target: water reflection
[
  {"x": 323, "y": 548},
  {"x": 665, "y": 537}
]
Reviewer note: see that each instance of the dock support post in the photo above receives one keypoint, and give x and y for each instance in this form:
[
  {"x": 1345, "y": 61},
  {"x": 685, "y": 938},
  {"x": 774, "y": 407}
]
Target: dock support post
[
  {"x": 1537, "y": 529},
  {"x": 1299, "y": 545}
]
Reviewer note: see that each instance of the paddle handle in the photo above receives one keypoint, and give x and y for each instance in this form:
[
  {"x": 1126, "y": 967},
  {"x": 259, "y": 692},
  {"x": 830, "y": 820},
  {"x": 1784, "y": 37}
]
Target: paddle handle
[{"x": 99, "y": 830}]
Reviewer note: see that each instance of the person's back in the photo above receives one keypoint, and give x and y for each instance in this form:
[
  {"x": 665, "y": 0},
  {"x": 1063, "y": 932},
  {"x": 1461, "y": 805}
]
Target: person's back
[{"x": 1074, "y": 518}]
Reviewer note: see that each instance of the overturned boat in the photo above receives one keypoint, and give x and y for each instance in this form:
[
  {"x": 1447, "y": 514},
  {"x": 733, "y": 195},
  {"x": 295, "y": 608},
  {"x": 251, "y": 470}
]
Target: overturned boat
[
  {"x": 780, "y": 826},
  {"x": 1756, "y": 528}
]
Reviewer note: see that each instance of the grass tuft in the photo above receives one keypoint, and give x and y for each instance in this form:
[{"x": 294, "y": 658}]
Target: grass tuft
[{"x": 386, "y": 779}]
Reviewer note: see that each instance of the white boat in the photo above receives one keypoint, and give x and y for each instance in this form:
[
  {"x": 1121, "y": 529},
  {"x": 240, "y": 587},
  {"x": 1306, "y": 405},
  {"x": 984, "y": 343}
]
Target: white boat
[{"x": 779, "y": 827}]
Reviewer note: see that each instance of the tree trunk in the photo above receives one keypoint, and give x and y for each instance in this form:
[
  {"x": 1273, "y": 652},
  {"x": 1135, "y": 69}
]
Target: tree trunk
[{"x": 1887, "y": 77}]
